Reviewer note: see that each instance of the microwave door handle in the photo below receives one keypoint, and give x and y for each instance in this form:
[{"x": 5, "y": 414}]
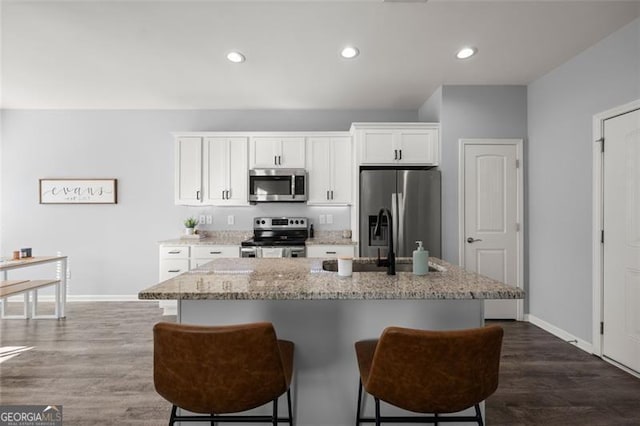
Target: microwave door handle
[{"x": 293, "y": 186}]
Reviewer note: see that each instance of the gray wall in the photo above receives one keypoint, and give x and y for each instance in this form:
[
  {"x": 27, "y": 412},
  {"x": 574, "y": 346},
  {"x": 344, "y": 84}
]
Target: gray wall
[
  {"x": 561, "y": 106},
  {"x": 432, "y": 108},
  {"x": 473, "y": 112},
  {"x": 113, "y": 248}
]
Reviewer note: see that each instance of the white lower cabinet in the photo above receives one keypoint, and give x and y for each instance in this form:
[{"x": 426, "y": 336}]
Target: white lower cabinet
[
  {"x": 330, "y": 251},
  {"x": 175, "y": 260}
]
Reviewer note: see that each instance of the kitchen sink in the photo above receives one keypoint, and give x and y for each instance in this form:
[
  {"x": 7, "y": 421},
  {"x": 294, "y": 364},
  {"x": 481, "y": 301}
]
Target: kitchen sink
[{"x": 367, "y": 266}]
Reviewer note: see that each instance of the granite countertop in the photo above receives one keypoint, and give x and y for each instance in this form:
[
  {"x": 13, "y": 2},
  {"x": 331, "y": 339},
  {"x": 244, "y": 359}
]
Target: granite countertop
[
  {"x": 213, "y": 238},
  {"x": 304, "y": 279},
  {"x": 333, "y": 238}
]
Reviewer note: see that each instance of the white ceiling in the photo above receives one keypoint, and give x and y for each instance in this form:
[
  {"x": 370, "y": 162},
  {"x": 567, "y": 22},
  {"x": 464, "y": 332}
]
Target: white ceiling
[{"x": 171, "y": 54}]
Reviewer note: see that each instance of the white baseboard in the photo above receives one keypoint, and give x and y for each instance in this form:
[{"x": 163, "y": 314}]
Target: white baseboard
[
  {"x": 560, "y": 333},
  {"x": 87, "y": 298}
]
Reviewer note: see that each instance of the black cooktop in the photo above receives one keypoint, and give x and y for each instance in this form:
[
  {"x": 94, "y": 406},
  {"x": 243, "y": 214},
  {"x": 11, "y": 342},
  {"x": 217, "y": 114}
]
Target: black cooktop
[{"x": 251, "y": 242}]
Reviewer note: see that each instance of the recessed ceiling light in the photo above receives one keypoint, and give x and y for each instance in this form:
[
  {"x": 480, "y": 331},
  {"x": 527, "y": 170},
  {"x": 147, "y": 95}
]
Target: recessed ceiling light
[
  {"x": 466, "y": 52},
  {"x": 350, "y": 52},
  {"x": 236, "y": 57}
]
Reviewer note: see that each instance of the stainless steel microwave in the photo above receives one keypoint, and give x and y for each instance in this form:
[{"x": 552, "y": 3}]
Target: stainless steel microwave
[{"x": 288, "y": 185}]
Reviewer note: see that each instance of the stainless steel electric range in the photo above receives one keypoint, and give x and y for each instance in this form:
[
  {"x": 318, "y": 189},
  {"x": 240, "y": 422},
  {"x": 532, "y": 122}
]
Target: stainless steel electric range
[{"x": 277, "y": 237}]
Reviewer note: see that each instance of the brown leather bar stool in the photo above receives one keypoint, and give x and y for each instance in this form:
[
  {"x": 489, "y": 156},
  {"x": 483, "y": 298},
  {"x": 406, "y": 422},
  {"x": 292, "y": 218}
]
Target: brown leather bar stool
[
  {"x": 223, "y": 370},
  {"x": 437, "y": 372}
]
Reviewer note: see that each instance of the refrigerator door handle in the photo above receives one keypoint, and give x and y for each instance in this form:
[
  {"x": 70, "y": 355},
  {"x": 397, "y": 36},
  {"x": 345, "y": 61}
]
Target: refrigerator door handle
[
  {"x": 394, "y": 219},
  {"x": 400, "y": 222}
]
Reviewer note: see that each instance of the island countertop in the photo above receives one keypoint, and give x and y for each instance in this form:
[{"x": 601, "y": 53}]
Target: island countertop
[{"x": 304, "y": 279}]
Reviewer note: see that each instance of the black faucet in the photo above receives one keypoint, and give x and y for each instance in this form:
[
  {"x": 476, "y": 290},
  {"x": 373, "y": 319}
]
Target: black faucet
[{"x": 390, "y": 261}]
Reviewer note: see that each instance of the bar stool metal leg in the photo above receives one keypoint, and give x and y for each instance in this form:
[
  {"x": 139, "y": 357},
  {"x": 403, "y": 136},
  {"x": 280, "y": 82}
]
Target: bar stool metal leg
[
  {"x": 172, "y": 419},
  {"x": 479, "y": 415},
  {"x": 377, "y": 411},
  {"x": 359, "y": 409},
  {"x": 289, "y": 404},
  {"x": 275, "y": 412}
]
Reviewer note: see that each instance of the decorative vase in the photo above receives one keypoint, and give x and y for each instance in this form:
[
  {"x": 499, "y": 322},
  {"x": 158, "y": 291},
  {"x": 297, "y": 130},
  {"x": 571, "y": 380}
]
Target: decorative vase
[{"x": 189, "y": 231}]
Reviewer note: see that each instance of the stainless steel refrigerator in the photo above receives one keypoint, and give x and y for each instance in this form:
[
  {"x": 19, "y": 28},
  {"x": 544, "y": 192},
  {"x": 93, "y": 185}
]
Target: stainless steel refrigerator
[{"x": 413, "y": 197}]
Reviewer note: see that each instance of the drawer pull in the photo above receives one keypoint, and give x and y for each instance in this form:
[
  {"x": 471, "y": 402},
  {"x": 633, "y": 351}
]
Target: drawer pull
[
  {"x": 331, "y": 252},
  {"x": 215, "y": 252},
  {"x": 173, "y": 270},
  {"x": 175, "y": 252}
]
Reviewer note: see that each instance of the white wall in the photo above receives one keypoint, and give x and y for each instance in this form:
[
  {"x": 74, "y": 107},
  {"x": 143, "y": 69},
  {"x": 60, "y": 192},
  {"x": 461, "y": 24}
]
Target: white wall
[
  {"x": 113, "y": 248},
  {"x": 561, "y": 106}
]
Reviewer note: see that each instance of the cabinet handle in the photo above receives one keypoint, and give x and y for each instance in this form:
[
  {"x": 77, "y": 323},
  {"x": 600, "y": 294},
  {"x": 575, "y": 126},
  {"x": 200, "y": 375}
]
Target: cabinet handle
[
  {"x": 400, "y": 155},
  {"x": 175, "y": 252},
  {"x": 395, "y": 154},
  {"x": 332, "y": 194},
  {"x": 228, "y": 194},
  {"x": 279, "y": 160},
  {"x": 197, "y": 195},
  {"x": 222, "y": 194},
  {"x": 327, "y": 194},
  {"x": 330, "y": 252},
  {"x": 173, "y": 270},
  {"x": 215, "y": 252},
  {"x": 275, "y": 160}
]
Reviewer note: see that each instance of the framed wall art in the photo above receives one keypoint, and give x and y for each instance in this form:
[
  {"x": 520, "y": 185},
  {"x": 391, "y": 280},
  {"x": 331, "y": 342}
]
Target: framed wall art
[{"x": 78, "y": 191}]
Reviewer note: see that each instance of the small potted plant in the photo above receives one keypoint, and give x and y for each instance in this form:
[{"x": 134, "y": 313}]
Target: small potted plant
[{"x": 189, "y": 226}]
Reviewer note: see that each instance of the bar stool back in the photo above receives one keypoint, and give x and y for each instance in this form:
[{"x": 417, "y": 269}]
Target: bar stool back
[
  {"x": 430, "y": 371},
  {"x": 222, "y": 370}
]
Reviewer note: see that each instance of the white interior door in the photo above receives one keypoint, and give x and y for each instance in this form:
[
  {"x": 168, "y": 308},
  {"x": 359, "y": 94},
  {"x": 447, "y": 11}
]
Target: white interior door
[
  {"x": 490, "y": 222},
  {"x": 621, "y": 216}
]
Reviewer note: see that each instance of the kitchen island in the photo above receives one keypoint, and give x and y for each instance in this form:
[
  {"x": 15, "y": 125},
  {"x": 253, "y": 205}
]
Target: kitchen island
[{"x": 324, "y": 315}]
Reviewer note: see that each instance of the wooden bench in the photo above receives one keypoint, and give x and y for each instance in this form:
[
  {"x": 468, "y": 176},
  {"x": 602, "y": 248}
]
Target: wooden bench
[{"x": 30, "y": 290}]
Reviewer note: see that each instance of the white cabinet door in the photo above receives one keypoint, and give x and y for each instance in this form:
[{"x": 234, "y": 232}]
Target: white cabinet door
[
  {"x": 377, "y": 147},
  {"x": 277, "y": 152},
  {"x": 225, "y": 171},
  {"x": 330, "y": 168},
  {"x": 330, "y": 251},
  {"x": 238, "y": 194},
  {"x": 170, "y": 268},
  {"x": 188, "y": 172},
  {"x": 215, "y": 170},
  {"x": 341, "y": 170},
  {"x": 398, "y": 143},
  {"x": 419, "y": 146},
  {"x": 292, "y": 153},
  {"x": 264, "y": 153},
  {"x": 319, "y": 168},
  {"x": 212, "y": 252}
]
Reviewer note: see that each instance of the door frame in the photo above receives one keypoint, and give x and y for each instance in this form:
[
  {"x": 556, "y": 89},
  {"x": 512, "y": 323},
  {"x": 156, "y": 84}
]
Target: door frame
[
  {"x": 518, "y": 143},
  {"x": 597, "y": 270}
]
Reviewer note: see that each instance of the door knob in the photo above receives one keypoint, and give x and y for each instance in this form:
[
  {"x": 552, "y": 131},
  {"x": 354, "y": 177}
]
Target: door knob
[{"x": 471, "y": 240}]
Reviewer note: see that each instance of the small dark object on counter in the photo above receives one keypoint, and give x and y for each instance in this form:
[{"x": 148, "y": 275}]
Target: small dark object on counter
[
  {"x": 311, "y": 231},
  {"x": 25, "y": 252}
]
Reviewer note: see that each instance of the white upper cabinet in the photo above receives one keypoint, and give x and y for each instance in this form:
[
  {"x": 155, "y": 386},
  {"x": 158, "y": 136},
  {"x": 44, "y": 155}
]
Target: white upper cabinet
[
  {"x": 330, "y": 167},
  {"x": 225, "y": 171},
  {"x": 398, "y": 143},
  {"x": 277, "y": 152},
  {"x": 211, "y": 171},
  {"x": 188, "y": 179}
]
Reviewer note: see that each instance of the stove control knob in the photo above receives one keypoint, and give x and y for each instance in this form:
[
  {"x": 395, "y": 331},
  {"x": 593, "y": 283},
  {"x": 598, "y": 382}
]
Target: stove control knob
[
  {"x": 291, "y": 222},
  {"x": 257, "y": 222},
  {"x": 263, "y": 222},
  {"x": 302, "y": 222},
  {"x": 296, "y": 222}
]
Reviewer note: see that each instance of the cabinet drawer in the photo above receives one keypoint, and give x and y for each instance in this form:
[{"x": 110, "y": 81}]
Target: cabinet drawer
[
  {"x": 174, "y": 252},
  {"x": 170, "y": 268},
  {"x": 211, "y": 252},
  {"x": 330, "y": 252}
]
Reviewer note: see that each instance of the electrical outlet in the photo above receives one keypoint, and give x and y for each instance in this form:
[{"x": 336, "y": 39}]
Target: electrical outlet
[
  {"x": 230, "y": 219},
  {"x": 201, "y": 220},
  {"x": 209, "y": 219},
  {"x": 329, "y": 219},
  {"x": 321, "y": 219}
]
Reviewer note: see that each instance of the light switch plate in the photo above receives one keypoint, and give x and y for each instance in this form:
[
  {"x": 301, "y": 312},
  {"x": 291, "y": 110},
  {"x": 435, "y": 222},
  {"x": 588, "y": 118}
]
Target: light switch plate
[
  {"x": 201, "y": 220},
  {"x": 329, "y": 218},
  {"x": 209, "y": 219},
  {"x": 230, "y": 219},
  {"x": 321, "y": 219}
]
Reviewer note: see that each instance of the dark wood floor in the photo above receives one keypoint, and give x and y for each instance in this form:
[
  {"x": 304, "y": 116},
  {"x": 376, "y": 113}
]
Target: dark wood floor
[{"x": 98, "y": 364}]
